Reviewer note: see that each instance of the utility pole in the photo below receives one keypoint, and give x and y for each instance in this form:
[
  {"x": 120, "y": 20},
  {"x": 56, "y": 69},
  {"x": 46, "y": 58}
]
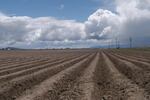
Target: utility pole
[
  {"x": 130, "y": 40},
  {"x": 109, "y": 44},
  {"x": 116, "y": 43}
]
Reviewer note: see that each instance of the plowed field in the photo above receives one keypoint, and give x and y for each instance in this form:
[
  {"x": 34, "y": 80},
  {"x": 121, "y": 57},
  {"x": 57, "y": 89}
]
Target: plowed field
[{"x": 79, "y": 74}]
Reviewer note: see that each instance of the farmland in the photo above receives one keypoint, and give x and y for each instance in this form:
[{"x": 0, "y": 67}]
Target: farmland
[{"x": 79, "y": 74}]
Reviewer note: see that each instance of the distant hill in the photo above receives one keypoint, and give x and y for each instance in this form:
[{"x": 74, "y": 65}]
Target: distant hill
[{"x": 10, "y": 48}]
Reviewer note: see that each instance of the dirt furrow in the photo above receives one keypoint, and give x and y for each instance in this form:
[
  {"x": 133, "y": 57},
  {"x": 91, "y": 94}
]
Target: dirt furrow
[
  {"x": 87, "y": 83},
  {"x": 115, "y": 86},
  {"x": 5, "y": 78},
  {"x": 32, "y": 65},
  {"x": 32, "y": 62},
  {"x": 28, "y": 60},
  {"x": 131, "y": 55},
  {"x": 9, "y": 61},
  {"x": 27, "y": 66},
  {"x": 135, "y": 57},
  {"x": 140, "y": 53},
  {"x": 142, "y": 64},
  {"x": 16, "y": 87},
  {"x": 54, "y": 87},
  {"x": 20, "y": 64},
  {"x": 139, "y": 76},
  {"x": 5, "y": 63}
]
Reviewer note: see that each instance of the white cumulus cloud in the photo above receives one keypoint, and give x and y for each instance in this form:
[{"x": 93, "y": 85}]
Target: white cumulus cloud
[
  {"x": 26, "y": 29},
  {"x": 131, "y": 18}
]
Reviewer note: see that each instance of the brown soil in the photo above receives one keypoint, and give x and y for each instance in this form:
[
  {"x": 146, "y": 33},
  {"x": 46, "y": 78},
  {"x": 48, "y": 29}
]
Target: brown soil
[{"x": 79, "y": 74}]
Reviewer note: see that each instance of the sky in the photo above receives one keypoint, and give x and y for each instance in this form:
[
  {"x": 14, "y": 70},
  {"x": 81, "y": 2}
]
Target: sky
[
  {"x": 63, "y": 9},
  {"x": 74, "y": 23}
]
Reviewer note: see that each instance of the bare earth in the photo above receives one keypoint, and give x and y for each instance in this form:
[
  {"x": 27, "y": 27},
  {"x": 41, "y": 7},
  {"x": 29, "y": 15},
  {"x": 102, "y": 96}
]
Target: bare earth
[{"x": 79, "y": 74}]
